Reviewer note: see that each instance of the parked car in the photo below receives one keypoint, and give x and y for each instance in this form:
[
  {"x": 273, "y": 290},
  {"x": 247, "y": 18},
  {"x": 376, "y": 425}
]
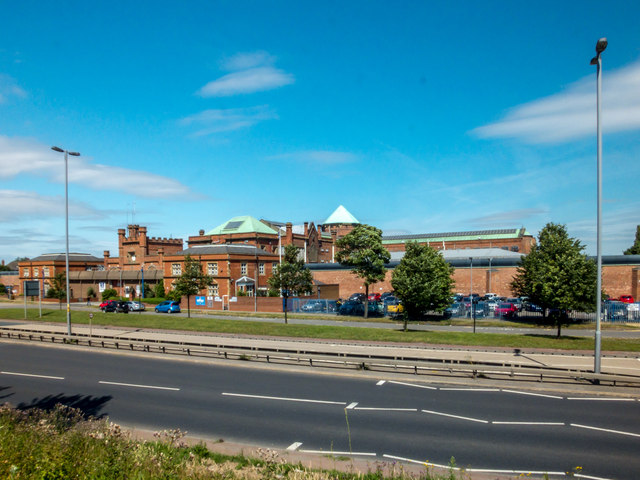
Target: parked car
[
  {"x": 351, "y": 307},
  {"x": 358, "y": 297},
  {"x": 394, "y": 307},
  {"x": 517, "y": 302},
  {"x": 506, "y": 310},
  {"x": 314, "y": 306},
  {"x": 478, "y": 310},
  {"x": 116, "y": 306},
  {"x": 532, "y": 307},
  {"x": 374, "y": 297},
  {"x": 456, "y": 309},
  {"x": 136, "y": 306},
  {"x": 104, "y": 304},
  {"x": 108, "y": 306},
  {"x": 492, "y": 305},
  {"x": 626, "y": 299},
  {"x": 168, "y": 306}
]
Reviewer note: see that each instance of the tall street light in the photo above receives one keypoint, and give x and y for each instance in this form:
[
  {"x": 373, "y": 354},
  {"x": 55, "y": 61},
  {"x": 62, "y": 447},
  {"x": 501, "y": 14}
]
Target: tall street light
[
  {"x": 597, "y": 60},
  {"x": 66, "y": 214}
]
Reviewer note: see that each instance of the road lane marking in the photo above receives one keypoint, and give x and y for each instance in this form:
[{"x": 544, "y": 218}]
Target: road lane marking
[
  {"x": 619, "y": 432},
  {"x": 351, "y": 406},
  {"x": 427, "y": 463},
  {"x": 264, "y": 397},
  {"x": 596, "y": 399},
  {"x": 456, "y": 416},
  {"x": 413, "y": 385},
  {"x": 389, "y": 409},
  {"x": 294, "y": 446},
  {"x": 519, "y": 472},
  {"x": 381, "y": 382},
  {"x": 17, "y": 374},
  {"x": 330, "y": 452},
  {"x": 532, "y": 394},
  {"x": 589, "y": 477},
  {"x": 458, "y": 389},
  {"x": 154, "y": 387},
  {"x": 530, "y": 423}
]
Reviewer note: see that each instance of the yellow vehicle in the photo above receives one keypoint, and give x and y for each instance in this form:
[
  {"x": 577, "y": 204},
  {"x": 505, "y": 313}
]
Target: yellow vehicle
[{"x": 394, "y": 307}]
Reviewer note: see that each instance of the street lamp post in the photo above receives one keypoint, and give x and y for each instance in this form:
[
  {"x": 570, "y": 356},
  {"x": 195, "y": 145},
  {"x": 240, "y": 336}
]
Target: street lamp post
[
  {"x": 471, "y": 293},
  {"x": 597, "y": 60},
  {"x": 66, "y": 215}
]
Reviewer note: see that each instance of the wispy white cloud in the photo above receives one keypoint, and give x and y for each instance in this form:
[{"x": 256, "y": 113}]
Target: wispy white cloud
[
  {"x": 10, "y": 88},
  {"x": 250, "y": 73},
  {"x": 318, "y": 157},
  {"x": 571, "y": 114},
  {"x": 227, "y": 120},
  {"x": 16, "y": 204},
  {"x": 509, "y": 217},
  {"x": 22, "y": 156}
]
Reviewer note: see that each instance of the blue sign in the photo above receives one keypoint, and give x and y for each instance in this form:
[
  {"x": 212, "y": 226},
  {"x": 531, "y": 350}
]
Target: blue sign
[{"x": 200, "y": 300}]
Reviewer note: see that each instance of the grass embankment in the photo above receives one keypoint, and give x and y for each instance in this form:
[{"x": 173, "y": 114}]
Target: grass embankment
[
  {"x": 63, "y": 444},
  {"x": 278, "y": 329}
]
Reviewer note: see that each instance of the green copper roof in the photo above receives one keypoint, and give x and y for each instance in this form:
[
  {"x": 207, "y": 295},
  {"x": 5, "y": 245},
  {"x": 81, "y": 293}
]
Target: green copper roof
[
  {"x": 245, "y": 224},
  {"x": 341, "y": 215}
]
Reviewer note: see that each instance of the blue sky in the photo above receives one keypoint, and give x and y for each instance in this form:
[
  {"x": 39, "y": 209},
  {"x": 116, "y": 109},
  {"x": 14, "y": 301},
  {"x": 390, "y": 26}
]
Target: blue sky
[{"x": 417, "y": 116}]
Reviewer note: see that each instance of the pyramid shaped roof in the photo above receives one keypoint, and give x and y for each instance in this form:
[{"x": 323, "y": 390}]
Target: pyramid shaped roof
[
  {"x": 243, "y": 224},
  {"x": 340, "y": 216}
]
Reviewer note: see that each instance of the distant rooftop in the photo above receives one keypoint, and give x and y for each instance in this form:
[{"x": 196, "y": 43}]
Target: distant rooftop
[
  {"x": 224, "y": 249},
  {"x": 466, "y": 253},
  {"x": 243, "y": 224},
  {"x": 73, "y": 257},
  {"x": 458, "y": 236},
  {"x": 340, "y": 216}
]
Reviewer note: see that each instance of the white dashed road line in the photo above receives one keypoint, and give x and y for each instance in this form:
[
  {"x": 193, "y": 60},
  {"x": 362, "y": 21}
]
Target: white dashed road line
[
  {"x": 294, "y": 446},
  {"x": 427, "y": 463},
  {"x": 264, "y": 397},
  {"x": 456, "y": 416},
  {"x": 329, "y": 452},
  {"x": 413, "y": 385},
  {"x": 532, "y": 394},
  {"x": 154, "y": 387},
  {"x": 619, "y": 432},
  {"x": 351, "y": 406},
  {"x": 597, "y": 399},
  {"x": 389, "y": 409},
  {"x": 49, "y": 377},
  {"x": 531, "y": 423}
]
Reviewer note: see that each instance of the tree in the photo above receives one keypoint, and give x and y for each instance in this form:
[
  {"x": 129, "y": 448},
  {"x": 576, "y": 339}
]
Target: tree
[
  {"x": 635, "y": 248},
  {"x": 91, "y": 293},
  {"x": 158, "y": 290},
  {"x": 557, "y": 276},
  {"x": 291, "y": 277},
  {"x": 362, "y": 250},
  {"x": 192, "y": 280},
  {"x": 58, "y": 288},
  {"x": 109, "y": 293},
  {"x": 422, "y": 281}
]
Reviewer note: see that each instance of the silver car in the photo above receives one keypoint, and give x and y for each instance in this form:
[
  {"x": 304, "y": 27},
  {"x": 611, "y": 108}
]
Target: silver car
[{"x": 136, "y": 306}]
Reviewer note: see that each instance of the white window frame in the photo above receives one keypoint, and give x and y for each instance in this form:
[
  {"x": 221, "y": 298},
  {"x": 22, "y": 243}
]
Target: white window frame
[
  {"x": 243, "y": 269},
  {"x": 176, "y": 269},
  {"x": 212, "y": 268}
]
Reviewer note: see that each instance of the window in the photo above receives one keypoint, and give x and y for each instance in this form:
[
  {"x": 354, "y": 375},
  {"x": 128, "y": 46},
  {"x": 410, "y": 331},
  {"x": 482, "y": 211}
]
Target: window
[
  {"x": 261, "y": 269},
  {"x": 25, "y": 272},
  {"x": 176, "y": 269},
  {"x": 45, "y": 270},
  {"x": 243, "y": 269},
  {"x": 36, "y": 271},
  {"x": 273, "y": 266},
  {"x": 212, "y": 268},
  {"x": 212, "y": 290}
]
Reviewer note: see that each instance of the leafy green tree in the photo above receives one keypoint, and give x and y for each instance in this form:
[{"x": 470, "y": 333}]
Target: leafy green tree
[
  {"x": 109, "y": 293},
  {"x": 158, "y": 290},
  {"x": 557, "y": 276},
  {"x": 3, "y": 289},
  {"x": 635, "y": 248},
  {"x": 192, "y": 280},
  {"x": 58, "y": 288},
  {"x": 362, "y": 250},
  {"x": 291, "y": 277},
  {"x": 91, "y": 293},
  {"x": 423, "y": 281}
]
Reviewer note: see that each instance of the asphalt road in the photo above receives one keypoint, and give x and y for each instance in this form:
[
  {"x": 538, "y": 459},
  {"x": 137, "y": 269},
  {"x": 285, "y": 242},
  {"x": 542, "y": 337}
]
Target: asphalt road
[{"x": 496, "y": 428}]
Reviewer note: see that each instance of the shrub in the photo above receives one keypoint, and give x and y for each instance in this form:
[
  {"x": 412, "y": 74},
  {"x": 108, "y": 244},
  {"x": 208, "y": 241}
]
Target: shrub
[{"x": 109, "y": 293}]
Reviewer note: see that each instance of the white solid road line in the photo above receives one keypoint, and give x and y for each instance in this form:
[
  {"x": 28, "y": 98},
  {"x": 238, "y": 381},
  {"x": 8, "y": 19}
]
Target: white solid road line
[
  {"x": 32, "y": 375},
  {"x": 596, "y": 399},
  {"x": 294, "y": 446},
  {"x": 389, "y": 409},
  {"x": 413, "y": 385},
  {"x": 456, "y": 416},
  {"x": 427, "y": 463},
  {"x": 264, "y": 397},
  {"x": 381, "y": 382},
  {"x": 351, "y": 406},
  {"x": 518, "y": 472},
  {"x": 154, "y": 387},
  {"x": 459, "y": 389},
  {"x": 589, "y": 477},
  {"x": 619, "y": 432},
  {"x": 330, "y": 452},
  {"x": 532, "y": 394},
  {"x": 530, "y": 423}
]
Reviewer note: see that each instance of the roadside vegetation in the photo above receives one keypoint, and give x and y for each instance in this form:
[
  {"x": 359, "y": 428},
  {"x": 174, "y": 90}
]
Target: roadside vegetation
[
  {"x": 544, "y": 340},
  {"x": 64, "y": 443}
]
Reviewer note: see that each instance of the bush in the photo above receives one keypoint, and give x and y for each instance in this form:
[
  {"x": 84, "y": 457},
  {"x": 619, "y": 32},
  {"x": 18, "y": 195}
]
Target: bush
[
  {"x": 158, "y": 290},
  {"x": 109, "y": 293},
  {"x": 91, "y": 293}
]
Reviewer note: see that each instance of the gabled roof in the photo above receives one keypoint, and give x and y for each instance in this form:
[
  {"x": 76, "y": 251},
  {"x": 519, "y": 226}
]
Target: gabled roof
[
  {"x": 244, "y": 224},
  {"x": 341, "y": 216}
]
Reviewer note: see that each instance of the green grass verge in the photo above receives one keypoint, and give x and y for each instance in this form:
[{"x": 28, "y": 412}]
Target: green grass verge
[{"x": 279, "y": 329}]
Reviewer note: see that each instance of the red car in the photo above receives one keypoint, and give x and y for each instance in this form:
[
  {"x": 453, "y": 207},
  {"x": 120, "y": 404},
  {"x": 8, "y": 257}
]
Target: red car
[
  {"x": 627, "y": 299},
  {"x": 506, "y": 310},
  {"x": 374, "y": 297}
]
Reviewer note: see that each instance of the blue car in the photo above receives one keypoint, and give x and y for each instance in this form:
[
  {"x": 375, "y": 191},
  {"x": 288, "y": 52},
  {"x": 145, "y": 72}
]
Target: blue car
[{"x": 168, "y": 306}]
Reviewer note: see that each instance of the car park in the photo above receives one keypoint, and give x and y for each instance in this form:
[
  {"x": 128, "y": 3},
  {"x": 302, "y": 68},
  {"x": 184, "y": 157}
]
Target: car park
[
  {"x": 478, "y": 311},
  {"x": 456, "y": 309},
  {"x": 136, "y": 306},
  {"x": 358, "y": 297},
  {"x": 506, "y": 310},
  {"x": 168, "y": 306},
  {"x": 374, "y": 297},
  {"x": 116, "y": 306},
  {"x": 351, "y": 307},
  {"x": 626, "y": 299},
  {"x": 104, "y": 304},
  {"x": 516, "y": 301},
  {"x": 314, "y": 306}
]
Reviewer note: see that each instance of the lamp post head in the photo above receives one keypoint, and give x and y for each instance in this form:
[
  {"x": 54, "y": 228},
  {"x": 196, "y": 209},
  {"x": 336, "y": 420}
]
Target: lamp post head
[
  {"x": 601, "y": 45},
  {"x": 57, "y": 149},
  {"x": 75, "y": 154}
]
